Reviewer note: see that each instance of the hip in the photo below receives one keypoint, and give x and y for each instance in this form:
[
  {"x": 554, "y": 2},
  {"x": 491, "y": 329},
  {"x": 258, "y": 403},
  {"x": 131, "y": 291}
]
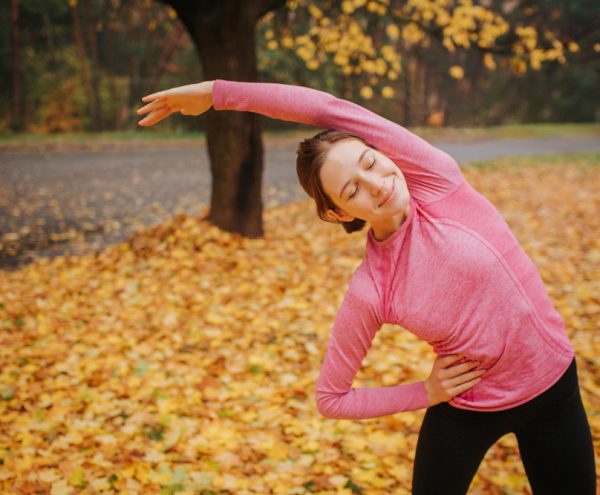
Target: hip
[{"x": 560, "y": 395}]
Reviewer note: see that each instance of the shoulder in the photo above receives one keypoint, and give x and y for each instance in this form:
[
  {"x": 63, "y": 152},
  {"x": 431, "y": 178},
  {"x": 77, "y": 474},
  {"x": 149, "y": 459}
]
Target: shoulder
[{"x": 362, "y": 290}]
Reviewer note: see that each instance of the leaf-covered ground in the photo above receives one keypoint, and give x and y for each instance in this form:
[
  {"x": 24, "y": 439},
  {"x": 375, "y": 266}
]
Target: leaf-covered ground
[{"x": 184, "y": 360}]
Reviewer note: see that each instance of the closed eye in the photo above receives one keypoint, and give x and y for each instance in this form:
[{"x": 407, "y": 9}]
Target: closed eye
[
  {"x": 368, "y": 168},
  {"x": 354, "y": 193}
]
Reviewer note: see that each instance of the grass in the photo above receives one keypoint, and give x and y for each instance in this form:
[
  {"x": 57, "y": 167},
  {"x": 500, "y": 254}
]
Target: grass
[
  {"x": 79, "y": 137},
  {"x": 514, "y": 131},
  {"x": 518, "y": 131},
  {"x": 581, "y": 159}
]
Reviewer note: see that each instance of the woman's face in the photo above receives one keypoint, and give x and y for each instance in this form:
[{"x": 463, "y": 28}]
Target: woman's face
[{"x": 364, "y": 183}]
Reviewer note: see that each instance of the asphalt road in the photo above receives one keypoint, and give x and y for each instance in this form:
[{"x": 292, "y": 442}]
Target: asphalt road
[{"x": 60, "y": 203}]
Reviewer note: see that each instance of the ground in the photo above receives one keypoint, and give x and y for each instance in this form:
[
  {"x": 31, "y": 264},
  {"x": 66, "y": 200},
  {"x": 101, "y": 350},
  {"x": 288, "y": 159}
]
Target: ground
[
  {"x": 184, "y": 359},
  {"x": 78, "y": 197}
]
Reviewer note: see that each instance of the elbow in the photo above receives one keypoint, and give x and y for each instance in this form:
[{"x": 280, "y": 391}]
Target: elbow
[
  {"x": 453, "y": 164},
  {"x": 328, "y": 405},
  {"x": 324, "y": 411}
]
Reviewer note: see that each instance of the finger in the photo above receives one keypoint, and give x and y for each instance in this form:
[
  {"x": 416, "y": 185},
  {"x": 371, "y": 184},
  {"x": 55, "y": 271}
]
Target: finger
[
  {"x": 156, "y": 104},
  {"x": 459, "y": 369},
  {"x": 465, "y": 377},
  {"x": 446, "y": 361},
  {"x": 159, "y": 94},
  {"x": 156, "y": 116},
  {"x": 465, "y": 386}
]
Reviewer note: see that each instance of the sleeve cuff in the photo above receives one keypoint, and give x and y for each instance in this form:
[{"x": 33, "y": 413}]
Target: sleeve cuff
[{"x": 217, "y": 94}]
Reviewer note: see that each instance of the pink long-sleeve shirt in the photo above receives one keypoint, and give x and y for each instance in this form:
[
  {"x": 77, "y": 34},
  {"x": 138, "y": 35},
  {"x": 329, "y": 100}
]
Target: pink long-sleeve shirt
[{"x": 453, "y": 273}]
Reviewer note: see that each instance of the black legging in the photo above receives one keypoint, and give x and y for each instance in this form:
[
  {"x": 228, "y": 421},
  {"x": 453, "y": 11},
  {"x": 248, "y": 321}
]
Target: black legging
[{"x": 552, "y": 431}]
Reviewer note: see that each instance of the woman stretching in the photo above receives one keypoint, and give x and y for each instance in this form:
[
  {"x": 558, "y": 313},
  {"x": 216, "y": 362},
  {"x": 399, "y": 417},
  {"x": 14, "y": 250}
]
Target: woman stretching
[{"x": 441, "y": 262}]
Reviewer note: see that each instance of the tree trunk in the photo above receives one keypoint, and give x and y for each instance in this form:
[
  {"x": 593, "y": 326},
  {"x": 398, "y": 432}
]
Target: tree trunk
[
  {"x": 110, "y": 57},
  {"x": 228, "y": 51},
  {"x": 96, "y": 124},
  {"x": 225, "y": 34},
  {"x": 87, "y": 85},
  {"x": 17, "y": 108}
]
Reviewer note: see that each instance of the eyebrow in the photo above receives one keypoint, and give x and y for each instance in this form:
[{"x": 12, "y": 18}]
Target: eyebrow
[{"x": 359, "y": 160}]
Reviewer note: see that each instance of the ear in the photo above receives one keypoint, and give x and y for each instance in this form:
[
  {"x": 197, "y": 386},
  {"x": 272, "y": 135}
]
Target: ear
[{"x": 341, "y": 217}]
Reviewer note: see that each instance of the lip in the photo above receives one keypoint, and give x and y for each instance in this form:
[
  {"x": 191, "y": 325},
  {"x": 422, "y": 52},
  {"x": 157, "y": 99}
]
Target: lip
[{"x": 389, "y": 196}]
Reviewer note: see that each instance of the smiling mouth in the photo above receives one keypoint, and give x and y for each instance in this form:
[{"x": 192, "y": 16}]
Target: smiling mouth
[{"x": 390, "y": 194}]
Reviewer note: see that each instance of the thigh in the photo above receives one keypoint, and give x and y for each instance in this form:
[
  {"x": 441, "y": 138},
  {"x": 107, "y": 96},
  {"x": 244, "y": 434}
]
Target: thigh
[
  {"x": 452, "y": 443},
  {"x": 557, "y": 450}
]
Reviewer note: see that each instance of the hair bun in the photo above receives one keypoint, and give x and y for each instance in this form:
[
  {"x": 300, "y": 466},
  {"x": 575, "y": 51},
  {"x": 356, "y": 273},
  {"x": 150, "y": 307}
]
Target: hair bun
[{"x": 354, "y": 226}]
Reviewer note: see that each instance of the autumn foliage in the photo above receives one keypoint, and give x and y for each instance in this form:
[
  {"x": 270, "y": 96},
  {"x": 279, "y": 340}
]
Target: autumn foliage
[
  {"x": 370, "y": 39},
  {"x": 184, "y": 360}
]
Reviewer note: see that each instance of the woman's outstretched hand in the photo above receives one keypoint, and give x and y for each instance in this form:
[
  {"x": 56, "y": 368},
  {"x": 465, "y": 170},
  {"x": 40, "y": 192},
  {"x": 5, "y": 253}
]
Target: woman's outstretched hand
[
  {"x": 192, "y": 99},
  {"x": 445, "y": 381}
]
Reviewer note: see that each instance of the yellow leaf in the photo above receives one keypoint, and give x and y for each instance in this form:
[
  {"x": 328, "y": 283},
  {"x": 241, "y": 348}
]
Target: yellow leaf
[
  {"x": 127, "y": 472},
  {"x": 60, "y": 488},
  {"x": 160, "y": 478},
  {"x": 338, "y": 480},
  {"x": 77, "y": 477},
  {"x": 456, "y": 71},
  {"x": 489, "y": 62},
  {"x": 278, "y": 452},
  {"x": 48, "y": 475},
  {"x": 366, "y": 92},
  {"x": 393, "y": 31},
  {"x": 142, "y": 472},
  {"x": 172, "y": 437},
  {"x": 347, "y": 7}
]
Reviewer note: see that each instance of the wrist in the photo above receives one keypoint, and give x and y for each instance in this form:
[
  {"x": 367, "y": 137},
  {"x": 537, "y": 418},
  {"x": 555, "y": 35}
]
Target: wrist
[
  {"x": 206, "y": 89},
  {"x": 431, "y": 398},
  {"x": 427, "y": 392}
]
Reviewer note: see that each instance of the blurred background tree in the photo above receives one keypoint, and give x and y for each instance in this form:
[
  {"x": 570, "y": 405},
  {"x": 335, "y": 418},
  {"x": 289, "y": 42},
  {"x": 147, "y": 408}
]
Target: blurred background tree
[
  {"x": 122, "y": 49},
  {"x": 83, "y": 65}
]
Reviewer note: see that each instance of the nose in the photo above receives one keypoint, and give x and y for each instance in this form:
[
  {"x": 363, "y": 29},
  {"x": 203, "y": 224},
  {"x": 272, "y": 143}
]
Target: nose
[{"x": 375, "y": 185}]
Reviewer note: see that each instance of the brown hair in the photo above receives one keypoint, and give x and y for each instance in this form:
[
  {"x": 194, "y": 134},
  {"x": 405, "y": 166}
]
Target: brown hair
[{"x": 310, "y": 156}]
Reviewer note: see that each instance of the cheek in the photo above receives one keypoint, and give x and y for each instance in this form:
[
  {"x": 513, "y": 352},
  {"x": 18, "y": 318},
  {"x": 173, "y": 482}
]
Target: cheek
[
  {"x": 400, "y": 175},
  {"x": 356, "y": 207},
  {"x": 395, "y": 168}
]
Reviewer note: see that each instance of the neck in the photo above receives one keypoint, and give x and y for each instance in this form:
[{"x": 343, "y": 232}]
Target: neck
[{"x": 382, "y": 230}]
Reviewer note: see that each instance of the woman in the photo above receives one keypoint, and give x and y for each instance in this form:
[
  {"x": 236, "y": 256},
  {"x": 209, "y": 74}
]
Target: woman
[{"x": 441, "y": 262}]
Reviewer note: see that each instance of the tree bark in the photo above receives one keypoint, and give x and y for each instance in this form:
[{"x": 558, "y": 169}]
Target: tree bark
[
  {"x": 87, "y": 84},
  {"x": 17, "y": 106},
  {"x": 96, "y": 124},
  {"x": 234, "y": 139},
  {"x": 225, "y": 34}
]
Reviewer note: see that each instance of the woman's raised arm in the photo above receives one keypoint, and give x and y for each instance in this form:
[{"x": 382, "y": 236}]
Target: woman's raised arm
[
  {"x": 430, "y": 173},
  {"x": 295, "y": 104},
  {"x": 320, "y": 109}
]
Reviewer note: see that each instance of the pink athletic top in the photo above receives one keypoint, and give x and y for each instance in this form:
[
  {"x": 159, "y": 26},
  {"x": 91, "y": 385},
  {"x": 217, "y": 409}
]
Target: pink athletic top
[{"x": 453, "y": 273}]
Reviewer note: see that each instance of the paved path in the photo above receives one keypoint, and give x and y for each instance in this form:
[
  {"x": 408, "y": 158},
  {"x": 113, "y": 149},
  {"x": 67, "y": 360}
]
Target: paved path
[
  {"x": 482, "y": 150},
  {"x": 78, "y": 202}
]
